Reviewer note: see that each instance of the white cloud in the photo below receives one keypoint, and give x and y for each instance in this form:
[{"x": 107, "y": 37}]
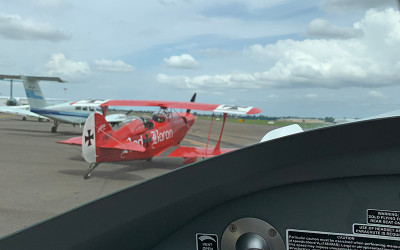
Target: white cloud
[
  {"x": 14, "y": 27},
  {"x": 112, "y": 66},
  {"x": 368, "y": 61},
  {"x": 209, "y": 82},
  {"x": 184, "y": 61},
  {"x": 61, "y": 66},
  {"x": 323, "y": 29},
  {"x": 375, "y": 94}
]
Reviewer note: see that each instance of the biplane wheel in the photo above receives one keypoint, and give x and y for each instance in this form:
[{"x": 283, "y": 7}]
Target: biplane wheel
[
  {"x": 86, "y": 176},
  {"x": 149, "y": 159}
]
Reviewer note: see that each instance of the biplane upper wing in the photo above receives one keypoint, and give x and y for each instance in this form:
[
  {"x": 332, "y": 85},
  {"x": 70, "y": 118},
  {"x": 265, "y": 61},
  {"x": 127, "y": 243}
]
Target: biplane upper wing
[{"x": 229, "y": 109}]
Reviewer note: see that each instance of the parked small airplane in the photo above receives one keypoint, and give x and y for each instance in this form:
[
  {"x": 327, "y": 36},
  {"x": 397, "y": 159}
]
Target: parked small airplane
[
  {"x": 141, "y": 138},
  {"x": 74, "y": 113}
]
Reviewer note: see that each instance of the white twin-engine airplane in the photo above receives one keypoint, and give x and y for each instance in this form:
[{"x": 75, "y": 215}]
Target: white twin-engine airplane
[{"x": 74, "y": 113}]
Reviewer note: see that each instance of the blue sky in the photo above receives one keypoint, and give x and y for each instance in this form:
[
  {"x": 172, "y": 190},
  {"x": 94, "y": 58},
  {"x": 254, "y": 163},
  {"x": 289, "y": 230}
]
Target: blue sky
[{"x": 310, "y": 58}]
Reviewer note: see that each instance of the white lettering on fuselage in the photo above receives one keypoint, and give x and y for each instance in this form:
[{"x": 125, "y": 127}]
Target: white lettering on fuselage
[
  {"x": 161, "y": 136},
  {"x": 138, "y": 141},
  {"x": 156, "y": 137},
  {"x": 123, "y": 154}
]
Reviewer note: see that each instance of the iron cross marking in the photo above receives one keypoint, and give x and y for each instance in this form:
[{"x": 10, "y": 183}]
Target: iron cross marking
[
  {"x": 89, "y": 137},
  {"x": 233, "y": 107},
  {"x": 146, "y": 141}
]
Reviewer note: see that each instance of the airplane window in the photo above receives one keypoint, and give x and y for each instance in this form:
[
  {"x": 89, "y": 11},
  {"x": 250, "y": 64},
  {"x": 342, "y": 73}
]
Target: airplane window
[
  {"x": 78, "y": 108},
  {"x": 84, "y": 108},
  {"x": 91, "y": 108}
]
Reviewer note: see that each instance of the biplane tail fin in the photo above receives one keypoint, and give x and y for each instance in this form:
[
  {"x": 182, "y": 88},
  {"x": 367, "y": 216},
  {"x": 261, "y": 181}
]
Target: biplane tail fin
[{"x": 96, "y": 133}]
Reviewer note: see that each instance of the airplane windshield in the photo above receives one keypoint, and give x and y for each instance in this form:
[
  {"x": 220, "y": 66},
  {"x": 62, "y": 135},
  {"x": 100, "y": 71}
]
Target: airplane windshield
[
  {"x": 160, "y": 116},
  {"x": 129, "y": 119},
  {"x": 146, "y": 120}
]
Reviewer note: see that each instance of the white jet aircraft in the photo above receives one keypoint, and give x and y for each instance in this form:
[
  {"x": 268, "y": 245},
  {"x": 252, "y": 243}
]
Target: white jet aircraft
[{"x": 74, "y": 113}]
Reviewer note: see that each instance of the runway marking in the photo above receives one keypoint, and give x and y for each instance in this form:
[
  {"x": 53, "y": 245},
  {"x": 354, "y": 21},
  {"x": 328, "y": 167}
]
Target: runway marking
[{"x": 197, "y": 143}]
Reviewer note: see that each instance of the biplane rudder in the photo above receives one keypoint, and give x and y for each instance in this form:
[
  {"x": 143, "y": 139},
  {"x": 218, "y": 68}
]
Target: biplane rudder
[{"x": 96, "y": 133}]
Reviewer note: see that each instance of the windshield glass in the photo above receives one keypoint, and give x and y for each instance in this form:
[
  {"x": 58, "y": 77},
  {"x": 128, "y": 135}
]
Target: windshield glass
[
  {"x": 313, "y": 63},
  {"x": 129, "y": 119}
]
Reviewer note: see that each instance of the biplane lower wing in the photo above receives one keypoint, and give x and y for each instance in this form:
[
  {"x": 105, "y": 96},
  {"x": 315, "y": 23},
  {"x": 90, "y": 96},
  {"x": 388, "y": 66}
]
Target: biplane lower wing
[{"x": 193, "y": 152}]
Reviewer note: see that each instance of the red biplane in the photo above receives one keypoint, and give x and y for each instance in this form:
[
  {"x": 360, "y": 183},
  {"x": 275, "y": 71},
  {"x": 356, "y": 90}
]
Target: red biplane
[{"x": 141, "y": 138}]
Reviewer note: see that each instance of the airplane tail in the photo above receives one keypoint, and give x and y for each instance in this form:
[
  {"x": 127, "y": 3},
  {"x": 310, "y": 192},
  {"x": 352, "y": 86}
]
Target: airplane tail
[
  {"x": 96, "y": 133},
  {"x": 98, "y": 136},
  {"x": 33, "y": 92}
]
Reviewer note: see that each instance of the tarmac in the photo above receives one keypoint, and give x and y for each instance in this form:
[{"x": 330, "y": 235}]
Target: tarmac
[{"x": 40, "y": 178}]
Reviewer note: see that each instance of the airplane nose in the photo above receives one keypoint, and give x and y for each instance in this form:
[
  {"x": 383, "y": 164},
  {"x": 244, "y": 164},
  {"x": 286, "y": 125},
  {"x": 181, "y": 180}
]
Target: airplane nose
[{"x": 190, "y": 119}]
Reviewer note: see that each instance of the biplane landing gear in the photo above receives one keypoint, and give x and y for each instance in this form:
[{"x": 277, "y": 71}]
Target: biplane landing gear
[
  {"x": 149, "y": 159},
  {"x": 90, "y": 170}
]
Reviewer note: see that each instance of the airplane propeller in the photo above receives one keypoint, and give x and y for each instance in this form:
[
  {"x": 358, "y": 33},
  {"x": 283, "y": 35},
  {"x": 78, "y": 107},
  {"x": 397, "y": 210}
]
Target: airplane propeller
[{"x": 193, "y": 99}]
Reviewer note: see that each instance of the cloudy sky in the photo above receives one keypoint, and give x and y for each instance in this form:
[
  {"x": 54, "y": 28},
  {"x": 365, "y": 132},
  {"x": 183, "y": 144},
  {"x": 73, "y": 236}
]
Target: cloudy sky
[{"x": 300, "y": 58}]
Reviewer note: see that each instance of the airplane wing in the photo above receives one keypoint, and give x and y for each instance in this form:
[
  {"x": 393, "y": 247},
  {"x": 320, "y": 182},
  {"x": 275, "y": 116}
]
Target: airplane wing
[
  {"x": 192, "y": 152},
  {"x": 230, "y": 109},
  {"x": 35, "y": 78},
  {"x": 73, "y": 141},
  {"x": 20, "y": 110}
]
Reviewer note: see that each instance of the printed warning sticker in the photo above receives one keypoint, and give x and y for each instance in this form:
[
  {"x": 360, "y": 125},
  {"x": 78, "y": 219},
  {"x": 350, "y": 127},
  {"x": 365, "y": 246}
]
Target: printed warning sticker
[
  {"x": 383, "y": 217},
  {"x": 301, "y": 239},
  {"x": 206, "y": 241},
  {"x": 385, "y": 231}
]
